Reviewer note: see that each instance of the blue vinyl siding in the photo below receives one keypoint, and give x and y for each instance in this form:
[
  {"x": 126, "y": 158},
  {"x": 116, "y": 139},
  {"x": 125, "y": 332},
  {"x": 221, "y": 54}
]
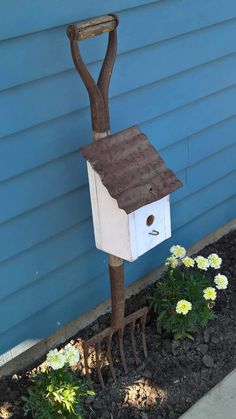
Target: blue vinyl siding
[{"x": 175, "y": 76}]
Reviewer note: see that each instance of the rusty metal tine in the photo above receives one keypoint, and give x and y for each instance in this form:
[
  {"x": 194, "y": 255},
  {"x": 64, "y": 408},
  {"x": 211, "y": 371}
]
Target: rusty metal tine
[
  {"x": 121, "y": 345},
  {"x": 85, "y": 349},
  {"x": 134, "y": 342},
  {"x": 143, "y": 321},
  {"x": 109, "y": 356},
  {"x": 98, "y": 366}
]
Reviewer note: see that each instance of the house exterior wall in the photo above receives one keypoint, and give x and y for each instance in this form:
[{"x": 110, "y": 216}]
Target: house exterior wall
[{"x": 175, "y": 76}]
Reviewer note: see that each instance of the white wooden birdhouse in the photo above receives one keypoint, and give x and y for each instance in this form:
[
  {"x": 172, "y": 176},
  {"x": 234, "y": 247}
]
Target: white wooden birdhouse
[{"x": 129, "y": 187}]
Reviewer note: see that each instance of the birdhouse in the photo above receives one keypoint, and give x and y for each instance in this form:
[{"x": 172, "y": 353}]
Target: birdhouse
[{"x": 129, "y": 188}]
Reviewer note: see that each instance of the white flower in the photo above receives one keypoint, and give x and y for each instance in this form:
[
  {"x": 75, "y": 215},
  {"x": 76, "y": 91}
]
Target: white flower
[
  {"x": 221, "y": 282},
  {"x": 178, "y": 251},
  {"x": 188, "y": 262},
  {"x": 172, "y": 262},
  {"x": 202, "y": 263},
  {"x": 72, "y": 355},
  {"x": 55, "y": 359},
  {"x": 214, "y": 261},
  {"x": 209, "y": 293},
  {"x": 183, "y": 307}
]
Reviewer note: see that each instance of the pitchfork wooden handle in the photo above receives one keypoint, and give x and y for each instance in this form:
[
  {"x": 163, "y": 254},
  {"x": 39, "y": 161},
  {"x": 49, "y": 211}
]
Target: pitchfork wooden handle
[
  {"x": 98, "y": 92},
  {"x": 92, "y": 27}
]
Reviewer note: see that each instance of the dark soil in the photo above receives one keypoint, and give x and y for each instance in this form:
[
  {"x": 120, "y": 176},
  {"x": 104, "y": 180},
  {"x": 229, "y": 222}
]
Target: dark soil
[{"x": 175, "y": 374}]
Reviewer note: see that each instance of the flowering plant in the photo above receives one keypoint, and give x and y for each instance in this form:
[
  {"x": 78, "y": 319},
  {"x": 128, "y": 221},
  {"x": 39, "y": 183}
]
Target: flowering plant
[
  {"x": 185, "y": 297},
  {"x": 56, "y": 393}
]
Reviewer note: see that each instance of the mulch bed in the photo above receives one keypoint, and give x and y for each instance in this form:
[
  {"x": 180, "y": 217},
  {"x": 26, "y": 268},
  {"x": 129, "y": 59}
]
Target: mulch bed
[{"x": 175, "y": 374}]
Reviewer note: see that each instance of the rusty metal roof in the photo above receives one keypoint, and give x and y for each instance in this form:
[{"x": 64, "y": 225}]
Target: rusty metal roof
[{"x": 131, "y": 169}]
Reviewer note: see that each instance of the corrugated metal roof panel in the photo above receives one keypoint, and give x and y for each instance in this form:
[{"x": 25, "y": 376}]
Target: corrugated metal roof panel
[{"x": 131, "y": 169}]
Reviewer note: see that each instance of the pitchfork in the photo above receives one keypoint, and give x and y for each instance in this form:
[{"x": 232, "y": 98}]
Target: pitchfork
[{"x": 98, "y": 95}]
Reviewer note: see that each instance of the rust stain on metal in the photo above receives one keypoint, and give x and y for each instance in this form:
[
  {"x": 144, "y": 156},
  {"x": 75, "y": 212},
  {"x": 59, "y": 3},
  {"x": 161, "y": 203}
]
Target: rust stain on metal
[
  {"x": 98, "y": 91},
  {"x": 131, "y": 169},
  {"x": 106, "y": 336}
]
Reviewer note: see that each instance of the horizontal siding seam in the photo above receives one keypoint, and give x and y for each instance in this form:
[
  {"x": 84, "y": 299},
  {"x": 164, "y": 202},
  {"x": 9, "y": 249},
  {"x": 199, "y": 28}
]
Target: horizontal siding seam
[
  {"x": 155, "y": 83},
  {"x": 212, "y": 155},
  {"x": 119, "y": 11},
  {"x": 76, "y": 151},
  {"x": 52, "y": 304},
  {"x": 188, "y": 138},
  {"x": 6, "y": 138},
  {"x": 61, "y": 25},
  {"x": 51, "y": 238},
  {"x": 197, "y": 191},
  {"x": 48, "y": 239},
  {"x": 85, "y": 185},
  {"x": 209, "y": 127},
  {"x": 50, "y": 272},
  {"x": 44, "y": 204},
  {"x": 174, "y": 76},
  {"x": 201, "y": 188},
  {"x": 82, "y": 109},
  {"x": 190, "y": 104},
  {"x": 126, "y": 52},
  {"x": 54, "y": 160},
  {"x": 204, "y": 212}
]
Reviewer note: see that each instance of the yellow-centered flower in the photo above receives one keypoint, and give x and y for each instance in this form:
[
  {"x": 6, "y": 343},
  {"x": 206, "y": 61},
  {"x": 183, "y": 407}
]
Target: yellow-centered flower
[
  {"x": 202, "y": 263},
  {"x": 55, "y": 359},
  {"x": 209, "y": 293},
  {"x": 178, "y": 251},
  {"x": 172, "y": 262},
  {"x": 188, "y": 262},
  {"x": 214, "y": 261},
  {"x": 72, "y": 355},
  {"x": 183, "y": 307},
  {"x": 221, "y": 282}
]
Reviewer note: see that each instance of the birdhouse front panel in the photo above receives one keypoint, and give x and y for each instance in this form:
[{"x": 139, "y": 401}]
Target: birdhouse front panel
[
  {"x": 152, "y": 225},
  {"x": 129, "y": 188}
]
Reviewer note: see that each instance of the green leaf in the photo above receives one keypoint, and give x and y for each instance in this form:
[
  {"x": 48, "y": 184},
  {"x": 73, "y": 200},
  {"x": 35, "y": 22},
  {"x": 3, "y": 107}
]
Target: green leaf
[
  {"x": 178, "y": 336},
  {"x": 189, "y": 336},
  {"x": 161, "y": 315},
  {"x": 90, "y": 392}
]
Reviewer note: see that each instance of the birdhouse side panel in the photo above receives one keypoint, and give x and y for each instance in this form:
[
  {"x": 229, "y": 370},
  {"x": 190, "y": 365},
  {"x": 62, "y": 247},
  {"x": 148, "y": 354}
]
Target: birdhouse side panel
[
  {"x": 94, "y": 205},
  {"x": 111, "y": 224}
]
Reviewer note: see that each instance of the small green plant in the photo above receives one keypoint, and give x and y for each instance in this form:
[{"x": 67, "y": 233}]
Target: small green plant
[
  {"x": 184, "y": 298},
  {"x": 57, "y": 392}
]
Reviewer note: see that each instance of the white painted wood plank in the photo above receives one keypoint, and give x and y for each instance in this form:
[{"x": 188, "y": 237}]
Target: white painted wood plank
[
  {"x": 160, "y": 212},
  {"x": 111, "y": 227},
  {"x": 94, "y": 204}
]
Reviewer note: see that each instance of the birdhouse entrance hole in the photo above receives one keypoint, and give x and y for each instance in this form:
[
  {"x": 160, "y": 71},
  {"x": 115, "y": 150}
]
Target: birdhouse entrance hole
[{"x": 150, "y": 220}]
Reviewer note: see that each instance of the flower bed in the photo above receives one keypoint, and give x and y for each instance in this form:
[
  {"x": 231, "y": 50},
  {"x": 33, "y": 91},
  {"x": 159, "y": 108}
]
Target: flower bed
[
  {"x": 175, "y": 374},
  {"x": 184, "y": 298}
]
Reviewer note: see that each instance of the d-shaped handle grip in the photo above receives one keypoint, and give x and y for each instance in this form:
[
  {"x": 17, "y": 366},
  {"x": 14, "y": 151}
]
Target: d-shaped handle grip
[
  {"x": 92, "y": 27},
  {"x": 98, "y": 91}
]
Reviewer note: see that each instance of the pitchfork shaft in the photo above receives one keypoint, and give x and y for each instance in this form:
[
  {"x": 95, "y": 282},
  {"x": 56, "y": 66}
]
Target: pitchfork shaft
[
  {"x": 117, "y": 292},
  {"x": 98, "y": 94}
]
